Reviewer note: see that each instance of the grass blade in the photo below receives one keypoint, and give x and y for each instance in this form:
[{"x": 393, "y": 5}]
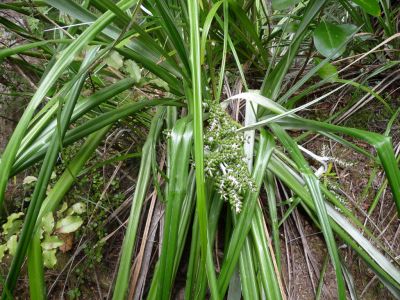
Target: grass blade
[
  {"x": 58, "y": 68},
  {"x": 239, "y": 234},
  {"x": 315, "y": 191},
  {"x": 122, "y": 280},
  {"x": 197, "y": 106},
  {"x": 180, "y": 146},
  {"x": 44, "y": 176}
]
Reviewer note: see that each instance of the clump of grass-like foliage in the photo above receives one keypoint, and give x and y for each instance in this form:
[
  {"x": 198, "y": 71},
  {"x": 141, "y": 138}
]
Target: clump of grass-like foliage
[{"x": 220, "y": 182}]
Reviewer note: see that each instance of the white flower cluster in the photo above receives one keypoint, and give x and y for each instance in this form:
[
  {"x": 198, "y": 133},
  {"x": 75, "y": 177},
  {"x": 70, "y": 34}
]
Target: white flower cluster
[
  {"x": 225, "y": 162},
  {"x": 340, "y": 162}
]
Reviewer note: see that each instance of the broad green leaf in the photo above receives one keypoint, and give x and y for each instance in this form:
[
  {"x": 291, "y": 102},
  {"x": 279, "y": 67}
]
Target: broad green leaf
[
  {"x": 48, "y": 222},
  {"x": 3, "y": 249},
  {"x": 12, "y": 244},
  {"x": 82, "y": 107},
  {"x": 49, "y": 258},
  {"x": 206, "y": 28},
  {"x": 369, "y": 6},
  {"x": 283, "y": 4},
  {"x": 69, "y": 224},
  {"x": 11, "y": 226},
  {"x": 51, "y": 242},
  {"x": 114, "y": 60},
  {"x": 133, "y": 69},
  {"x": 327, "y": 71},
  {"x": 329, "y": 38},
  {"x": 29, "y": 180}
]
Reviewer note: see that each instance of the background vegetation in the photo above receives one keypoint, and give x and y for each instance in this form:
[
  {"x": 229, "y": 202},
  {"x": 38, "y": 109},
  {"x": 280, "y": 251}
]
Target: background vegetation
[{"x": 200, "y": 149}]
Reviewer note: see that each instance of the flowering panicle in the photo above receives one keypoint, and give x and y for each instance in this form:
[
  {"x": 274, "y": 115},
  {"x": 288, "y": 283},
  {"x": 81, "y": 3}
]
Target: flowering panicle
[
  {"x": 224, "y": 157},
  {"x": 340, "y": 162}
]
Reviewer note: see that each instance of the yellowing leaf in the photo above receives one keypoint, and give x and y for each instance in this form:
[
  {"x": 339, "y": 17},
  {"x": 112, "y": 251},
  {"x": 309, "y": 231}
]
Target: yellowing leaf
[
  {"x": 114, "y": 60},
  {"x": 68, "y": 239},
  {"x": 78, "y": 208},
  {"x": 51, "y": 242},
  {"x": 133, "y": 69},
  {"x": 12, "y": 225},
  {"x": 69, "y": 224},
  {"x": 29, "y": 179},
  {"x": 12, "y": 244}
]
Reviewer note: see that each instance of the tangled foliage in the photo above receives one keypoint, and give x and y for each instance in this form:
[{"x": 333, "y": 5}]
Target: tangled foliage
[{"x": 224, "y": 157}]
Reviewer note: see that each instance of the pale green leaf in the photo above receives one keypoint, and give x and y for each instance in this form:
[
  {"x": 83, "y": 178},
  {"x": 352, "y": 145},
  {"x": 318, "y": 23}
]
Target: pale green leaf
[
  {"x": 114, "y": 60},
  {"x": 133, "y": 69},
  {"x": 12, "y": 225},
  {"x": 51, "y": 242},
  {"x": 78, "y": 208},
  {"x": 327, "y": 71},
  {"x": 12, "y": 244},
  {"x": 159, "y": 83},
  {"x": 63, "y": 208},
  {"x": 48, "y": 222},
  {"x": 49, "y": 258},
  {"x": 29, "y": 180},
  {"x": 3, "y": 249},
  {"x": 69, "y": 224}
]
